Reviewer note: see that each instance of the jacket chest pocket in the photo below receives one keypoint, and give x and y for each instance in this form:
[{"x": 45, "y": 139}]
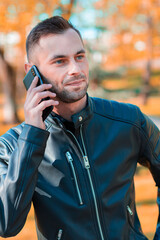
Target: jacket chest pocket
[{"x": 74, "y": 177}]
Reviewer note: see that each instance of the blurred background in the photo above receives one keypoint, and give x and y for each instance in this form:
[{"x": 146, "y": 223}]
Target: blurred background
[{"x": 122, "y": 38}]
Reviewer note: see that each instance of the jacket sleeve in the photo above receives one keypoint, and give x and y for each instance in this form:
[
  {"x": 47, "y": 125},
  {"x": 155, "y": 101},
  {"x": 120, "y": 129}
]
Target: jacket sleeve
[
  {"x": 19, "y": 160},
  {"x": 150, "y": 156},
  {"x": 150, "y": 147}
]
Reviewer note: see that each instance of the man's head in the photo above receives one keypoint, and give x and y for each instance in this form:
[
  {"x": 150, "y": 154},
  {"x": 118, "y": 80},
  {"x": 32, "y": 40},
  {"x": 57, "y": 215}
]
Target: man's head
[
  {"x": 53, "y": 25},
  {"x": 57, "y": 49}
]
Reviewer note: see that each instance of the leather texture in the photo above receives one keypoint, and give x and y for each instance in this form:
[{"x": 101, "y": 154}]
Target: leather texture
[{"x": 81, "y": 182}]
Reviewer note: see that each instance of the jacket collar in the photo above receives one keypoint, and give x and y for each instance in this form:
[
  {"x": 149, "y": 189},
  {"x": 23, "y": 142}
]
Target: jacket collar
[{"x": 77, "y": 119}]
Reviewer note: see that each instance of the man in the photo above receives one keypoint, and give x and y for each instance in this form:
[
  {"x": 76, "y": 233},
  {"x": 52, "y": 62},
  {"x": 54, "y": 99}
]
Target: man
[{"x": 77, "y": 167}]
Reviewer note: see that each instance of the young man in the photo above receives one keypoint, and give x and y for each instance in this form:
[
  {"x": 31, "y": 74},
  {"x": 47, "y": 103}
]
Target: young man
[{"x": 77, "y": 167}]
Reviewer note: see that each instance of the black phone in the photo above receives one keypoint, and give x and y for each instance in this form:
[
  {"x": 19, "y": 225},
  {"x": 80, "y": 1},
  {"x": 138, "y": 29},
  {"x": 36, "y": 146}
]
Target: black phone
[{"x": 27, "y": 82}]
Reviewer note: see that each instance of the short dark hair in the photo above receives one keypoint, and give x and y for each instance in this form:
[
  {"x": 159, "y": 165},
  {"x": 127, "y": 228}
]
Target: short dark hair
[{"x": 53, "y": 25}]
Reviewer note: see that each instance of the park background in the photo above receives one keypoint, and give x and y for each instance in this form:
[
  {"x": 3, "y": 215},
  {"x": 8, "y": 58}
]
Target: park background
[{"x": 122, "y": 38}]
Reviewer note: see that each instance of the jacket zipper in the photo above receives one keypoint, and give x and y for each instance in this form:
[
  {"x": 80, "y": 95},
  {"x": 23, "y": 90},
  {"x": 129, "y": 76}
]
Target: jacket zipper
[
  {"x": 70, "y": 160},
  {"x": 129, "y": 210},
  {"x": 87, "y": 167},
  {"x": 59, "y": 236}
]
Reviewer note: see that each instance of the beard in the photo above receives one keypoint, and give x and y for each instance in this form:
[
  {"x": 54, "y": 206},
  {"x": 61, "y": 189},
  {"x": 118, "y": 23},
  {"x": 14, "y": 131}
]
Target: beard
[{"x": 67, "y": 96}]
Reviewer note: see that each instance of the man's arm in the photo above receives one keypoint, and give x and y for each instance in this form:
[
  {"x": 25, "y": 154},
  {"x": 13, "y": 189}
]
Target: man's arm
[
  {"x": 150, "y": 156},
  {"x": 20, "y": 158},
  {"x": 19, "y": 161},
  {"x": 150, "y": 147}
]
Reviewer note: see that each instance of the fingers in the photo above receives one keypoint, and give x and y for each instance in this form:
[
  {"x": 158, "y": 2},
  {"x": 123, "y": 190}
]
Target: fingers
[
  {"x": 35, "y": 93},
  {"x": 33, "y": 89},
  {"x": 33, "y": 113},
  {"x": 44, "y": 104},
  {"x": 38, "y": 98}
]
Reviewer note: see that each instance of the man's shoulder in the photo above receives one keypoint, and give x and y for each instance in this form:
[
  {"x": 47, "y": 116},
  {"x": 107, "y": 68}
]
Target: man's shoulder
[{"x": 117, "y": 110}]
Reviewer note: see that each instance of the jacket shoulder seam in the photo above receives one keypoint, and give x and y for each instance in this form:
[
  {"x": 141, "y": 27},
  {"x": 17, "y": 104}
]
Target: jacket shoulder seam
[
  {"x": 149, "y": 144},
  {"x": 119, "y": 119},
  {"x": 136, "y": 125}
]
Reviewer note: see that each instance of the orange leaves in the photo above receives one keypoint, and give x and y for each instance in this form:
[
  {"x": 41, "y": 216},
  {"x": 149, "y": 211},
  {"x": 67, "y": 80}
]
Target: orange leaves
[
  {"x": 21, "y": 15},
  {"x": 135, "y": 28}
]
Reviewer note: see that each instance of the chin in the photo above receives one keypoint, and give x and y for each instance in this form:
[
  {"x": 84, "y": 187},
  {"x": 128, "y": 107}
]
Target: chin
[{"x": 71, "y": 98}]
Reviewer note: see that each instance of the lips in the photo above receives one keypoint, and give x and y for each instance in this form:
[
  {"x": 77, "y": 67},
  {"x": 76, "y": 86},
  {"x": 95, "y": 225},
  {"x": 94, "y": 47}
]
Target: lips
[{"x": 74, "y": 83}]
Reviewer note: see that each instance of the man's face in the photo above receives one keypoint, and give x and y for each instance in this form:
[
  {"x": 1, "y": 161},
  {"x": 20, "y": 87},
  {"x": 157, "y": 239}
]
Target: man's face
[{"x": 61, "y": 59}]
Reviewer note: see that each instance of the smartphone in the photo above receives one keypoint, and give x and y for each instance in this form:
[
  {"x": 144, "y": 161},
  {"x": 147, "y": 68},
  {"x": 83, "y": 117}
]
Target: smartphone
[{"x": 27, "y": 82}]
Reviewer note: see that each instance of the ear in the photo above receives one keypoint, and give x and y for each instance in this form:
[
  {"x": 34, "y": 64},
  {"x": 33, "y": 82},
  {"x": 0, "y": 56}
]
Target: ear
[{"x": 27, "y": 67}]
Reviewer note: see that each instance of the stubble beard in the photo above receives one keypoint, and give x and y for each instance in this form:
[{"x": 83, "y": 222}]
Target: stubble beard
[{"x": 67, "y": 96}]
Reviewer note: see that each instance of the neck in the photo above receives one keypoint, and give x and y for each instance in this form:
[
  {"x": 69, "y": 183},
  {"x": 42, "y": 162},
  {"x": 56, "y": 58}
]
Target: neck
[{"x": 66, "y": 110}]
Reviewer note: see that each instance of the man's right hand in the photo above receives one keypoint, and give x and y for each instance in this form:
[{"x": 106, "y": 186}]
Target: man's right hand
[{"x": 34, "y": 105}]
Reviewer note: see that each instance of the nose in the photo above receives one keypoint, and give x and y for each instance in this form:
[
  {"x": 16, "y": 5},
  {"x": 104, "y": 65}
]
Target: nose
[{"x": 74, "y": 68}]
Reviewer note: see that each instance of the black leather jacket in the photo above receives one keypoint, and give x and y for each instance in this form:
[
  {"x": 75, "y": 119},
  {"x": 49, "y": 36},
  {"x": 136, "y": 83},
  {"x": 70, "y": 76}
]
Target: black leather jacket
[{"x": 79, "y": 177}]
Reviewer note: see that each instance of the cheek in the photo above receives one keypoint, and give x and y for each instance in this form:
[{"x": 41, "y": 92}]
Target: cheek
[
  {"x": 86, "y": 68},
  {"x": 54, "y": 74}
]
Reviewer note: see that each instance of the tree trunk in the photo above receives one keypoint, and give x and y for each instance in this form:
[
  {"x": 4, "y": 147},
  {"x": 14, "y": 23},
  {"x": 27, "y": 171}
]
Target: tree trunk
[
  {"x": 67, "y": 10},
  {"x": 146, "y": 82},
  {"x": 148, "y": 67},
  {"x": 8, "y": 80}
]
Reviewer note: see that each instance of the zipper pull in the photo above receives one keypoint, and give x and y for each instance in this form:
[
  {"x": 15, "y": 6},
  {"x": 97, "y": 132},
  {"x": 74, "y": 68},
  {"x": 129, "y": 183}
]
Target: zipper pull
[
  {"x": 86, "y": 162},
  {"x": 69, "y": 157},
  {"x": 129, "y": 210},
  {"x": 59, "y": 236}
]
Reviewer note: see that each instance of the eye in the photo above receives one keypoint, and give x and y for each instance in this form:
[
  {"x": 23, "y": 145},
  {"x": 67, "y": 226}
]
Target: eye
[
  {"x": 79, "y": 57},
  {"x": 60, "y": 61}
]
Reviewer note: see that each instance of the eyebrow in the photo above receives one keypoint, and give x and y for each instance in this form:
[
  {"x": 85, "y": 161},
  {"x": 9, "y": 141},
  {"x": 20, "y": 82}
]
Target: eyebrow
[{"x": 64, "y": 56}]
